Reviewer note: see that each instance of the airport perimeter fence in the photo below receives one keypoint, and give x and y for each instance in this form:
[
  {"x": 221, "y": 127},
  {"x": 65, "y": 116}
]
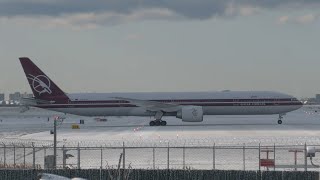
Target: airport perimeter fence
[
  {"x": 215, "y": 157},
  {"x": 137, "y": 174}
]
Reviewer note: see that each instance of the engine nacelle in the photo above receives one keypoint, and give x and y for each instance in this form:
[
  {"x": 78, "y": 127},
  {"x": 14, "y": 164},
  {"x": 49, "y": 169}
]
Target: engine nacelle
[{"x": 191, "y": 114}]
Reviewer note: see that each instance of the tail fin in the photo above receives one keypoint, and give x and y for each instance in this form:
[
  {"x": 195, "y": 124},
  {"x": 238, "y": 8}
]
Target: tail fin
[{"x": 42, "y": 86}]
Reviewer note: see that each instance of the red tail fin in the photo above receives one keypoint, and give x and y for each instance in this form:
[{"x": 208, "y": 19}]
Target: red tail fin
[{"x": 42, "y": 86}]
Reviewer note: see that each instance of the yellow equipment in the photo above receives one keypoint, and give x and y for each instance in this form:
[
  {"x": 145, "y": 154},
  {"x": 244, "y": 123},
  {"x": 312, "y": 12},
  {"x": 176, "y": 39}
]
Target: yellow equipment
[{"x": 75, "y": 126}]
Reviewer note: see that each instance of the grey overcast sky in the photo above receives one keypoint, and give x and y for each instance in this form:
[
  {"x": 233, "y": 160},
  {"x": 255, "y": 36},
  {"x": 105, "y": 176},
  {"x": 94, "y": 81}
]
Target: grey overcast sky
[{"x": 163, "y": 45}]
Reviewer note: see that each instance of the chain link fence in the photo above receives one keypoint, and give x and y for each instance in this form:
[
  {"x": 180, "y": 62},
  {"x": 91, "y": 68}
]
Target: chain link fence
[{"x": 277, "y": 157}]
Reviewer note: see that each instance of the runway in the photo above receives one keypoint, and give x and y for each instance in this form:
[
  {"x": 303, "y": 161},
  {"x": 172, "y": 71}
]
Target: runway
[
  {"x": 299, "y": 127},
  {"x": 224, "y": 132}
]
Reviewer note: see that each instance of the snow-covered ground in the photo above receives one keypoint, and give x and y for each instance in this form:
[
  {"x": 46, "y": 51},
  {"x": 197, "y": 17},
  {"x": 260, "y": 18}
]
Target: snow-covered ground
[
  {"x": 298, "y": 127},
  {"x": 33, "y": 126}
]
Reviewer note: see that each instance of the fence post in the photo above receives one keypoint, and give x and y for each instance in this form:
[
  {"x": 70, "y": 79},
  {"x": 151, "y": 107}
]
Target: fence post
[
  {"x": 44, "y": 151},
  {"x": 274, "y": 156},
  {"x": 55, "y": 143},
  {"x": 124, "y": 157},
  {"x": 214, "y": 156},
  {"x": 101, "y": 158},
  {"x": 184, "y": 157},
  {"x": 34, "y": 156},
  {"x": 259, "y": 157},
  {"x": 305, "y": 157},
  {"x": 45, "y": 154},
  {"x": 154, "y": 158},
  {"x": 24, "y": 156},
  {"x": 14, "y": 156},
  {"x": 64, "y": 157},
  {"x": 78, "y": 156},
  {"x": 244, "y": 156},
  {"x": 168, "y": 158},
  {"x": 4, "y": 155}
]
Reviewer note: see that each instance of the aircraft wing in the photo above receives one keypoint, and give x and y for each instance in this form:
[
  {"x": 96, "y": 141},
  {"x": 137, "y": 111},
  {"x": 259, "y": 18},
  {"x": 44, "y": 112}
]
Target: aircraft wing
[{"x": 153, "y": 105}]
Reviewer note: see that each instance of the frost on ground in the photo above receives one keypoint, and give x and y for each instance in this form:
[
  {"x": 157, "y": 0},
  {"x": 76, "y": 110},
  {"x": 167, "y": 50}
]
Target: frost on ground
[
  {"x": 222, "y": 132},
  {"x": 299, "y": 127}
]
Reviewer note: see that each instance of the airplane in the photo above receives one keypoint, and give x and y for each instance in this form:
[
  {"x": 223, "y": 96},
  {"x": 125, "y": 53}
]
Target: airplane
[{"x": 187, "y": 106}]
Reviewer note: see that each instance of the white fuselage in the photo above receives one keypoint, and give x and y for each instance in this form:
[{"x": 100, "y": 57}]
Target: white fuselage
[{"x": 213, "y": 103}]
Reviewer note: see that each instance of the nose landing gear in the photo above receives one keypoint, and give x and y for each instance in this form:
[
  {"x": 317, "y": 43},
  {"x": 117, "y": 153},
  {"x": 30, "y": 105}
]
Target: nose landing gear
[{"x": 280, "y": 118}]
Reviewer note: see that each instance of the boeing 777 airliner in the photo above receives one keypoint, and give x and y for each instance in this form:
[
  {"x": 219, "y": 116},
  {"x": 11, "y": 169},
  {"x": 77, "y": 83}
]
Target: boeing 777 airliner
[{"x": 188, "y": 106}]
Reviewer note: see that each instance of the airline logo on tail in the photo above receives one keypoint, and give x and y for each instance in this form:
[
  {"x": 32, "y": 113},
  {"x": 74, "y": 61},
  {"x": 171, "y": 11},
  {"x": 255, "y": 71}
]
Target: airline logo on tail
[{"x": 40, "y": 84}]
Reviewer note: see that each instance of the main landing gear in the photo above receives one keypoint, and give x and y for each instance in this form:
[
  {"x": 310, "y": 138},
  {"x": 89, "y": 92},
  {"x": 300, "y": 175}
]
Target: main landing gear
[
  {"x": 158, "y": 121},
  {"x": 280, "y": 118}
]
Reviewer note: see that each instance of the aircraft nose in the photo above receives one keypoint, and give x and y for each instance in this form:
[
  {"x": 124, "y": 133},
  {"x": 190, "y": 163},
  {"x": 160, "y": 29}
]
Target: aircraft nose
[{"x": 300, "y": 103}]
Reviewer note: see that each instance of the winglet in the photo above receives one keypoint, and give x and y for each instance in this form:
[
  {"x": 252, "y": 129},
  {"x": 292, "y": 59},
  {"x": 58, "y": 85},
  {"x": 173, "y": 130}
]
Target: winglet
[{"x": 42, "y": 86}]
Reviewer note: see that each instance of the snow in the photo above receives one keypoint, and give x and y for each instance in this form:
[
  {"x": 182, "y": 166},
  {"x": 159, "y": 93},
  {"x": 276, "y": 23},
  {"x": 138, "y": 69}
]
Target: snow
[{"x": 299, "y": 127}]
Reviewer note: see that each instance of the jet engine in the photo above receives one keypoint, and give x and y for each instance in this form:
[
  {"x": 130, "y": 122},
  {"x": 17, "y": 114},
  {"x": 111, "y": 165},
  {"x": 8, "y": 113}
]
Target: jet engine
[{"x": 190, "y": 114}]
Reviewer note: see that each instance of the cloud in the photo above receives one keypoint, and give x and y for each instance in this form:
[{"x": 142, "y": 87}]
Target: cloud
[
  {"x": 93, "y": 13},
  {"x": 134, "y": 37},
  {"x": 304, "y": 19},
  {"x": 236, "y": 10},
  {"x": 90, "y": 20},
  {"x": 248, "y": 11},
  {"x": 283, "y": 19}
]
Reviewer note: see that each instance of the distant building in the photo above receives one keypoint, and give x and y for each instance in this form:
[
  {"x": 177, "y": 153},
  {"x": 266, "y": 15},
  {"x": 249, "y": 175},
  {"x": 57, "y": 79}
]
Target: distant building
[
  {"x": 14, "y": 97},
  {"x": 312, "y": 101},
  {"x": 26, "y": 95},
  {"x": 1, "y": 97}
]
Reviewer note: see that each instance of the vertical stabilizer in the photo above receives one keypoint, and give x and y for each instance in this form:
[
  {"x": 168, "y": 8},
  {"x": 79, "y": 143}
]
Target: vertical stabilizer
[{"x": 42, "y": 86}]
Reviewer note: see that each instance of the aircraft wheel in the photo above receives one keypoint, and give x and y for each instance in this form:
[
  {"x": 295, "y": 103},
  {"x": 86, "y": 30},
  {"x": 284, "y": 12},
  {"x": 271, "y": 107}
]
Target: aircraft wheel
[
  {"x": 152, "y": 123},
  {"x": 158, "y": 123},
  {"x": 163, "y": 123},
  {"x": 279, "y": 121}
]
